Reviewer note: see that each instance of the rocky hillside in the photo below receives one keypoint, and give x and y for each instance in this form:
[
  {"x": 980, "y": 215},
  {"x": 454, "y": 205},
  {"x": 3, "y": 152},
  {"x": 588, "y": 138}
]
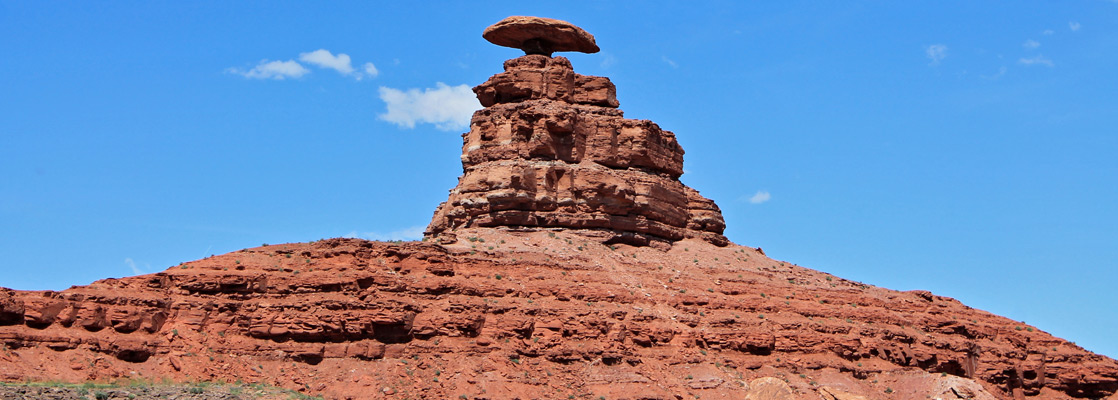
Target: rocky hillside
[
  {"x": 504, "y": 313},
  {"x": 569, "y": 262}
]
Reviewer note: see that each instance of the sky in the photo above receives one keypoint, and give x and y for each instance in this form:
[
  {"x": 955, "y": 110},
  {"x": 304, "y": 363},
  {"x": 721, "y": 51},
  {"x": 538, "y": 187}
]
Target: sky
[{"x": 969, "y": 148}]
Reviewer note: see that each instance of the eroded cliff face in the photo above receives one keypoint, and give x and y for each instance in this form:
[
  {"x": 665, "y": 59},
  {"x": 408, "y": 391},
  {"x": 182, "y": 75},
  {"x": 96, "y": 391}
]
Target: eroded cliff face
[
  {"x": 545, "y": 314},
  {"x": 570, "y": 262},
  {"x": 551, "y": 150}
]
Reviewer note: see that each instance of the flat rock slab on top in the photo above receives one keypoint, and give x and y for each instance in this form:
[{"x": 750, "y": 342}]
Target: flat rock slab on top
[{"x": 537, "y": 35}]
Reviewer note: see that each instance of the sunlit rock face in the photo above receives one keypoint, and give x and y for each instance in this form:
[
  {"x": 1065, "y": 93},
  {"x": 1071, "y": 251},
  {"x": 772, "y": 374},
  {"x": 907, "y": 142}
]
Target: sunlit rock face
[{"x": 552, "y": 150}]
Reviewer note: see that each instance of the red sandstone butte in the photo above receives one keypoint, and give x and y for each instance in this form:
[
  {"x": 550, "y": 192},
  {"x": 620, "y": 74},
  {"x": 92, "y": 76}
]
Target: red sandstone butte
[
  {"x": 569, "y": 262},
  {"x": 551, "y": 150}
]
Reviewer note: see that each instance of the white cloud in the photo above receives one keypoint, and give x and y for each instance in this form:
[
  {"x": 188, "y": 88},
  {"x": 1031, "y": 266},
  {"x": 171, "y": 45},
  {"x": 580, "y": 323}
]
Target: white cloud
[
  {"x": 1048, "y": 32},
  {"x": 760, "y": 197},
  {"x": 278, "y": 70},
  {"x": 322, "y": 58},
  {"x": 370, "y": 70},
  {"x": 936, "y": 52},
  {"x": 132, "y": 265},
  {"x": 340, "y": 62},
  {"x": 1037, "y": 60},
  {"x": 669, "y": 61},
  {"x": 1030, "y": 44},
  {"x": 447, "y": 107},
  {"x": 413, "y": 233},
  {"x": 1074, "y": 26}
]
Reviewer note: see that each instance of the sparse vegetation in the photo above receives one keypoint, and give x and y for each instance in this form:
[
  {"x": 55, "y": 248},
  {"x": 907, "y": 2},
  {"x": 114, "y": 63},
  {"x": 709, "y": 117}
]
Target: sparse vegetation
[{"x": 148, "y": 389}]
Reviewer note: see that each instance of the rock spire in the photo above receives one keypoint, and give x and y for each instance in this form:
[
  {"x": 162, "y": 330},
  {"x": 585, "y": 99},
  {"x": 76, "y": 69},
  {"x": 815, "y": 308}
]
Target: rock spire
[{"x": 552, "y": 150}]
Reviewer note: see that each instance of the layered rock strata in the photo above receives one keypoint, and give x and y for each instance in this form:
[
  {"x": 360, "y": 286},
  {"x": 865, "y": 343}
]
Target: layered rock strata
[
  {"x": 552, "y": 150},
  {"x": 546, "y": 310},
  {"x": 484, "y": 318}
]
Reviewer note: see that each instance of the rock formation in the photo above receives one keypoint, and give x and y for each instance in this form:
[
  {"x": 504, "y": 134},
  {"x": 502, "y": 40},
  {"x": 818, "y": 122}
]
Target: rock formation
[
  {"x": 514, "y": 314},
  {"x": 542, "y": 36},
  {"x": 547, "y": 292},
  {"x": 551, "y": 150}
]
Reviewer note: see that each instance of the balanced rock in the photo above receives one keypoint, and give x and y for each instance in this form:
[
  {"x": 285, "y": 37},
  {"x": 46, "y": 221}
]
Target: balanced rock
[
  {"x": 551, "y": 150},
  {"x": 537, "y": 35},
  {"x": 532, "y": 304}
]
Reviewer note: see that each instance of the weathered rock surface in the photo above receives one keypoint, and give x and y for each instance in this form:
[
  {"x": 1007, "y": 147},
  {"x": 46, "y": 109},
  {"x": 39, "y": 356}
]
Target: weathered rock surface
[
  {"x": 536, "y": 35},
  {"x": 570, "y": 262},
  {"x": 551, "y": 150},
  {"x": 512, "y": 314}
]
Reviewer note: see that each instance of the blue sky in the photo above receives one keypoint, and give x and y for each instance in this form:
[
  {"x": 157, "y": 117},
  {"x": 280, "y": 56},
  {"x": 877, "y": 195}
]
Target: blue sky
[{"x": 962, "y": 147}]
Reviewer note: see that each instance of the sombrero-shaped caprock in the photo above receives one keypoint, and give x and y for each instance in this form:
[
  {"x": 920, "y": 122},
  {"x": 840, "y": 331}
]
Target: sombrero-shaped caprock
[{"x": 537, "y": 35}]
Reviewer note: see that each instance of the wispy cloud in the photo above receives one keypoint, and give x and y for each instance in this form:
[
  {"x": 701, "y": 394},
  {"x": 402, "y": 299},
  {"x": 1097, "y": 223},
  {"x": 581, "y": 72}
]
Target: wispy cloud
[
  {"x": 341, "y": 62},
  {"x": 278, "y": 70},
  {"x": 1037, "y": 60},
  {"x": 1074, "y": 26},
  {"x": 760, "y": 197},
  {"x": 446, "y": 107},
  {"x": 1048, "y": 32},
  {"x": 936, "y": 52},
  {"x": 370, "y": 70},
  {"x": 321, "y": 58},
  {"x": 1030, "y": 44},
  {"x": 669, "y": 61},
  {"x": 132, "y": 265},
  {"x": 412, "y": 233},
  {"x": 1001, "y": 72}
]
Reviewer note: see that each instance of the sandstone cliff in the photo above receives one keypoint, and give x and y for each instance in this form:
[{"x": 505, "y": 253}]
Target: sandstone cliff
[
  {"x": 569, "y": 262},
  {"x": 551, "y": 150}
]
